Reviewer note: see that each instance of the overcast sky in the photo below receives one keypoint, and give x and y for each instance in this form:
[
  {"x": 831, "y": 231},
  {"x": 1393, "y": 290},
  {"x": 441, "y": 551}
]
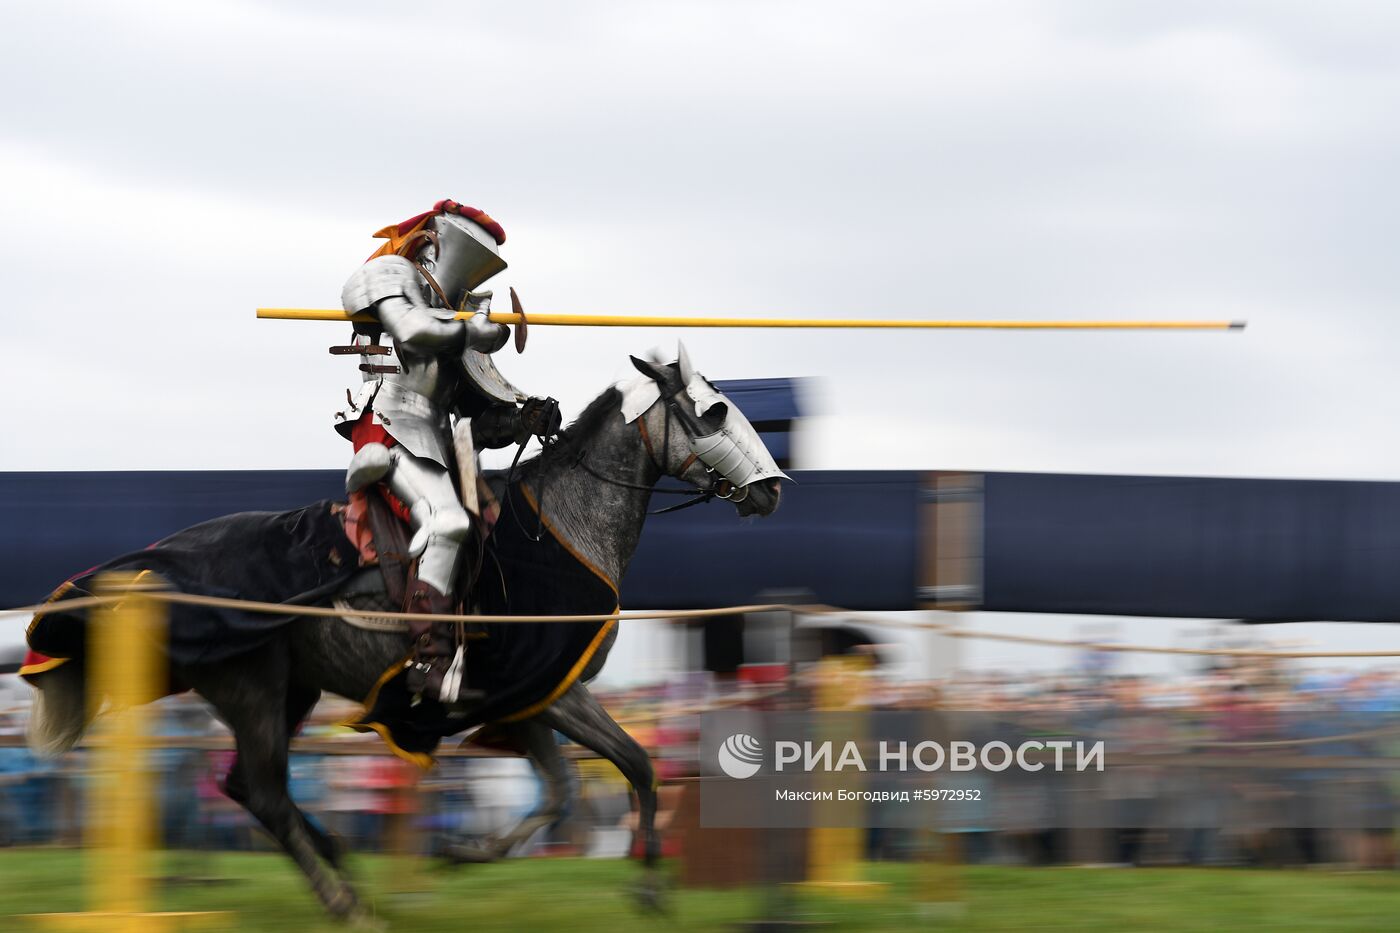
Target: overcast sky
[{"x": 169, "y": 166}]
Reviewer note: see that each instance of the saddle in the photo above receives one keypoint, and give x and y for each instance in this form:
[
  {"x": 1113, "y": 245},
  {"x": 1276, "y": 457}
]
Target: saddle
[{"x": 378, "y": 524}]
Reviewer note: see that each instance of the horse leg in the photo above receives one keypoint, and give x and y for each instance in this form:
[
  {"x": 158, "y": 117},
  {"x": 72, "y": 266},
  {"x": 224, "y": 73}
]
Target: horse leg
[
  {"x": 250, "y": 695},
  {"x": 328, "y": 845},
  {"x": 582, "y": 718},
  {"x": 553, "y": 771}
]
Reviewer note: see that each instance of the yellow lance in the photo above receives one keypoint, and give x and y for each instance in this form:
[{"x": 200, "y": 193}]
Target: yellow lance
[{"x": 655, "y": 320}]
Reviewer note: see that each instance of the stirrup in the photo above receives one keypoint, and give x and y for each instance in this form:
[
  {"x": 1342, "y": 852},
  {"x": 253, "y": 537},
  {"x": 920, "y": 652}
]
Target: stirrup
[{"x": 450, "y": 692}]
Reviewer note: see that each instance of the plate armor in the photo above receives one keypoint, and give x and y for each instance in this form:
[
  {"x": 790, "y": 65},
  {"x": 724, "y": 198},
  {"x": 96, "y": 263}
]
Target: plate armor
[{"x": 438, "y": 366}]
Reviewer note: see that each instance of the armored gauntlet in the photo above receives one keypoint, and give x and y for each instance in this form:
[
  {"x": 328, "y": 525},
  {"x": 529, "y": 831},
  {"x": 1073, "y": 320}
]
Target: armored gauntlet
[{"x": 481, "y": 333}]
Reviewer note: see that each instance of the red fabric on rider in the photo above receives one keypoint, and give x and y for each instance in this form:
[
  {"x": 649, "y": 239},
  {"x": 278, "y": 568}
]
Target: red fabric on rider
[{"x": 368, "y": 431}]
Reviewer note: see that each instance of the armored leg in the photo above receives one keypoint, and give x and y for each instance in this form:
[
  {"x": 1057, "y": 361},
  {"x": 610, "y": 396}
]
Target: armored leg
[{"x": 439, "y": 524}]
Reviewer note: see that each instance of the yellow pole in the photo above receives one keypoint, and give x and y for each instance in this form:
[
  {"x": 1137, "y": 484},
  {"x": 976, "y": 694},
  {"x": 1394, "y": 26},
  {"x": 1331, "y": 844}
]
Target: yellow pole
[
  {"x": 124, "y": 643},
  {"x": 834, "y": 854},
  {"x": 654, "y": 320},
  {"x": 126, "y": 664}
]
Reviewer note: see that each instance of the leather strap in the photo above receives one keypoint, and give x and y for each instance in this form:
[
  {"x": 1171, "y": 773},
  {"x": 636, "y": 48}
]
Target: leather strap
[
  {"x": 390, "y": 542},
  {"x": 646, "y": 441},
  {"x": 651, "y": 451},
  {"x": 361, "y": 349}
]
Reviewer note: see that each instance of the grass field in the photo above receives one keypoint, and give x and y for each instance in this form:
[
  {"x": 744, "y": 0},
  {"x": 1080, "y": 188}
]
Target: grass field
[{"x": 582, "y": 896}]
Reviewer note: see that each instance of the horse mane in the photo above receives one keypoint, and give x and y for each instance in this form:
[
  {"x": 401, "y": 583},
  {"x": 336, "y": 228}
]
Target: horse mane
[{"x": 572, "y": 440}]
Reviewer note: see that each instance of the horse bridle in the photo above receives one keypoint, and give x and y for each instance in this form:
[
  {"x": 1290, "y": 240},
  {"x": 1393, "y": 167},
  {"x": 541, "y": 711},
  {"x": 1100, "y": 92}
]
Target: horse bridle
[{"x": 723, "y": 489}]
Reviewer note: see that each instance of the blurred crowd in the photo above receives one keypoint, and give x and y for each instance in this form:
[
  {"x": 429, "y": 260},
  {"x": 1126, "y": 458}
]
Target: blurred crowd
[
  {"x": 1247, "y": 762},
  {"x": 345, "y": 781},
  {"x": 1280, "y": 798}
]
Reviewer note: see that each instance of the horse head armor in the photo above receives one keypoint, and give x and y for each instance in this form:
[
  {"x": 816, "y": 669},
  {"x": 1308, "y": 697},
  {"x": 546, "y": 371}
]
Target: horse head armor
[{"x": 718, "y": 432}]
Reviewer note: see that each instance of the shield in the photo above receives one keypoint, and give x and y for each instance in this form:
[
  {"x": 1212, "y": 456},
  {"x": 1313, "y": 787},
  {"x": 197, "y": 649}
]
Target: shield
[{"x": 481, "y": 371}]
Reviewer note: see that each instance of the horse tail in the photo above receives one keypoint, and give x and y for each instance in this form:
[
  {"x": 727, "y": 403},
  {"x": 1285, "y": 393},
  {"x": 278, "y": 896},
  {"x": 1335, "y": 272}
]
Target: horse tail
[{"x": 59, "y": 716}]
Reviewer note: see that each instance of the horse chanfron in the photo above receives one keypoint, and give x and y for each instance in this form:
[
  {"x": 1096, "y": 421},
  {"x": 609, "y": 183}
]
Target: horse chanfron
[{"x": 713, "y": 446}]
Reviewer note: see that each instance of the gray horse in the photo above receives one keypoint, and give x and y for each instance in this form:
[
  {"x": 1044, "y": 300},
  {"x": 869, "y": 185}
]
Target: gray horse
[{"x": 599, "y": 479}]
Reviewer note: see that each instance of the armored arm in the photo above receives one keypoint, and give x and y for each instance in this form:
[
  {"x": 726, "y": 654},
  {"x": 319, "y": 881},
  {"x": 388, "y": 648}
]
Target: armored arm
[
  {"x": 496, "y": 427},
  {"x": 430, "y": 329},
  {"x": 389, "y": 287},
  {"x": 415, "y": 326},
  {"x": 500, "y": 425}
]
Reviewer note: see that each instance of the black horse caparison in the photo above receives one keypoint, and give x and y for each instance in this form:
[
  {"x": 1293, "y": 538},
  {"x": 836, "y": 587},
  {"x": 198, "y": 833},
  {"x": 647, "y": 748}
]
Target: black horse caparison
[{"x": 263, "y": 695}]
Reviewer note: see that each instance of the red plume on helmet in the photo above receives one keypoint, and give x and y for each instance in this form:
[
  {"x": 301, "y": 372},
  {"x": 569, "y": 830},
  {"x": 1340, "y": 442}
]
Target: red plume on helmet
[{"x": 402, "y": 232}]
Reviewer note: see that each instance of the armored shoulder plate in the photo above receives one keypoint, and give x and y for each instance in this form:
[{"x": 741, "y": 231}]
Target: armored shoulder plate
[{"x": 380, "y": 278}]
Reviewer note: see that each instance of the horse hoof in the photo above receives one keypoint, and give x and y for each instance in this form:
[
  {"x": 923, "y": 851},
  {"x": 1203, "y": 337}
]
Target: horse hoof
[
  {"x": 361, "y": 920},
  {"x": 651, "y": 895},
  {"x": 468, "y": 854}
]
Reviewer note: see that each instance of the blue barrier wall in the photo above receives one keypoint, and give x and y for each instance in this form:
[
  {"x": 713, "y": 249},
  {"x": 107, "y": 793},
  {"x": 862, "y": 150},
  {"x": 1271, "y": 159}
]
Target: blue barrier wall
[
  {"x": 59, "y": 524},
  {"x": 848, "y": 537},
  {"x": 1121, "y": 545},
  {"x": 1266, "y": 550}
]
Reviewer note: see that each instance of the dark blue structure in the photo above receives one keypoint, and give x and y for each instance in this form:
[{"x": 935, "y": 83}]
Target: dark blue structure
[
  {"x": 1264, "y": 550},
  {"x": 57, "y": 524},
  {"x": 850, "y": 538},
  {"x": 1123, "y": 545}
]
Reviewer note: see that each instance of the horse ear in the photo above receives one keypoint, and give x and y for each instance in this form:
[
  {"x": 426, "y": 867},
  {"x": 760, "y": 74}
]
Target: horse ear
[
  {"x": 683, "y": 363},
  {"x": 651, "y": 370}
]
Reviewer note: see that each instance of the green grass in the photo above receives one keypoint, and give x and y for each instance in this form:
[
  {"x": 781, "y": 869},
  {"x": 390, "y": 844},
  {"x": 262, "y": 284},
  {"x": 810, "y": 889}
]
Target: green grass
[{"x": 583, "y": 896}]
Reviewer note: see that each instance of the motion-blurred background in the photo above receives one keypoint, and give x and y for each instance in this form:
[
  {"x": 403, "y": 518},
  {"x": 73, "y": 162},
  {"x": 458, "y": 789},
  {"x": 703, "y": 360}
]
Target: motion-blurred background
[{"x": 168, "y": 167}]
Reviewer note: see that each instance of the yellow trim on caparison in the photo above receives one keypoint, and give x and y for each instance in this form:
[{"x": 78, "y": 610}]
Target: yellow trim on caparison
[
  {"x": 62, "y": 588},
  {"x": 603, "y": 630},
  {"x": 29, "y": 670},
  {"x": 571, "y": 677},
  {"x": 384, "y": 678},
  {"x": 421, "y": 759},
  {"x": 563, "y": 542}
]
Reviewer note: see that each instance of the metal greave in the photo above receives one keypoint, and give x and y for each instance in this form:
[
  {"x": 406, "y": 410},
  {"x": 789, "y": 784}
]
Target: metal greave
[{"x": 440, "y": 524}]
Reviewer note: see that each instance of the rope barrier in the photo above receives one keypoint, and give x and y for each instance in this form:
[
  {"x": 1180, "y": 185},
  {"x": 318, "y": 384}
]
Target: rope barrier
[
  {"x": 941, "y": 628},
  {"x": 330, "y": 612},
  {"x": 83, "y": 602},
  {"x": 954, "y": 632}
]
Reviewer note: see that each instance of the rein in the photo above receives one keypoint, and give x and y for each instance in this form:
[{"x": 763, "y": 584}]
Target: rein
[{"x": 698, "y": 495}]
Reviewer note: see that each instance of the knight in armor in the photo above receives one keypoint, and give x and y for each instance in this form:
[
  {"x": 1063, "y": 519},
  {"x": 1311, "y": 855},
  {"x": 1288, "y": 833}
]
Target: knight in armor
[{"x": 401, "y": 421}]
